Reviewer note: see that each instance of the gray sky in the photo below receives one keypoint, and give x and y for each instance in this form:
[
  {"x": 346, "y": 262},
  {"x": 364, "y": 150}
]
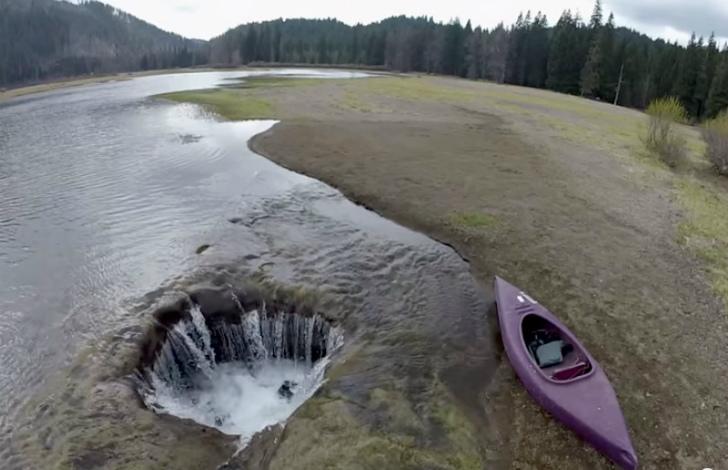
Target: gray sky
[{"x": 670, "y": 19}]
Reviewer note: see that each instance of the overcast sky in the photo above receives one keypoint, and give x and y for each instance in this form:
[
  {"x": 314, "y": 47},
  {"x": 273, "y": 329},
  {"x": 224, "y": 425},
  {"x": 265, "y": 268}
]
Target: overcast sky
[{"x": 670, "y": 19}]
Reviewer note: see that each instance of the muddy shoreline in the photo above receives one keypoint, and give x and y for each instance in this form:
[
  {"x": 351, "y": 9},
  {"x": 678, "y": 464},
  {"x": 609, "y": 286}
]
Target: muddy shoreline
[
  {"x": 587, "y": 231},
  {"x": 403, "y": 389}
]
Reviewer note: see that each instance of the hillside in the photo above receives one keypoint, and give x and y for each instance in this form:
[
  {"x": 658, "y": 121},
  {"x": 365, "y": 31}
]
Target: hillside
[{"x": 45, "y": 39}]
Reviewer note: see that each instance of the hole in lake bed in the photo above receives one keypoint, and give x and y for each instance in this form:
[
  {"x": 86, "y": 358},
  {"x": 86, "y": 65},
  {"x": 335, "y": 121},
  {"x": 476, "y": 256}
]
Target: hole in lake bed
[{"x": 236, "y": 368}]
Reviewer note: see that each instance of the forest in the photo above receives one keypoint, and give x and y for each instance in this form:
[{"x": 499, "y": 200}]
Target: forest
[
  {"x": 593, "y": 58},
  {"x": 48, "y": 39}
]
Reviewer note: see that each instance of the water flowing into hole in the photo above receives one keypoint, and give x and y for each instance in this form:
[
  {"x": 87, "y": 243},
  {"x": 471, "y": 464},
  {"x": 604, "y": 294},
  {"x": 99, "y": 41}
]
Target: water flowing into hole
[{"x": 238, "y": 373}]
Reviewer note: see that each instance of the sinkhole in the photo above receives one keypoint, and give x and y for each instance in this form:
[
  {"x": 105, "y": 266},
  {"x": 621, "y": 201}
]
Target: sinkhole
[{"x": 235, "y": 365}]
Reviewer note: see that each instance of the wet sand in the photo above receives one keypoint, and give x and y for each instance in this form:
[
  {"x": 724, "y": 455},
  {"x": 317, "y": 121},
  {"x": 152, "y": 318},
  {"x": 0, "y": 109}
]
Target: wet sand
[{"x": 551, "y": 193}]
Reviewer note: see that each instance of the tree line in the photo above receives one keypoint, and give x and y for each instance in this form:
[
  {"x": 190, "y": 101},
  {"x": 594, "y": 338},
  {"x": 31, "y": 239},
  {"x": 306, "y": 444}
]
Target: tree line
[
  {"x": 593, "y": 58},
  {"x": 41, "y": 39},
  {"x": 44, "y": 39}
]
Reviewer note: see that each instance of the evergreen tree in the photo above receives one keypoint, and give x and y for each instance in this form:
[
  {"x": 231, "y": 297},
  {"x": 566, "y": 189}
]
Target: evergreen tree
[
  {"x": 718, "y": 97},
  {"x": 595, "y": 23},
  {"x": 496, "y": 55},
  {"x": 564, "y": 63},
  {"x": 536, "y": 52},
  {"x": 516, "y": 44},
  {"x": 590, "y": 74},
  {"x": 608, "y": 68},
  {"x": 705, "y": 76},
  {"x": 250, "y": 46},
  {"x": 474, "y": 56},
  {"x": 686, "y": 83},
  {"x": 322, "y": 51},
  {"x": 453, "y": 55},
  {"x": 601, "y": 36}
]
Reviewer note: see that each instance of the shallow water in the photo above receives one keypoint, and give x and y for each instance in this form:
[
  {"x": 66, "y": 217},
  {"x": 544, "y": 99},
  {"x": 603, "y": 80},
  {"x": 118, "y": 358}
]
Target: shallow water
[
  {"x": 93, "y": 181},
  {"x": 105, "y": 195}
]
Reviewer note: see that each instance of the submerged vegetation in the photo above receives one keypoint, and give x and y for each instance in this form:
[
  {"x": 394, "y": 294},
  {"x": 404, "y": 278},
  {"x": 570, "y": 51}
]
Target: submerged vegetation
[
  {"x": 239, "y": 100},
  {"x": 231, "y": 104},
  {"x": 270, "y": 81}
]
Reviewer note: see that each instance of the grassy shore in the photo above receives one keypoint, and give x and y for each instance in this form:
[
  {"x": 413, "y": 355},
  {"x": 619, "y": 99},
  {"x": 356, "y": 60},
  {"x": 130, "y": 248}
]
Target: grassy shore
[{"x": 557, "y": 194}]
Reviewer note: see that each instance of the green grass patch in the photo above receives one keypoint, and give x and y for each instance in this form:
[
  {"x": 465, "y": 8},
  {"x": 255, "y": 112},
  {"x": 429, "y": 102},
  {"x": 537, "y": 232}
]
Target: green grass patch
[
  {"x": 705, "y": 229},
  {"x": 351, "y": 100},
  {"x": 268, "y": 81},
  {"x": 231, "y": 104},
  {"x": 474, "y": 220},
  {"x": 416, "y": 89}
]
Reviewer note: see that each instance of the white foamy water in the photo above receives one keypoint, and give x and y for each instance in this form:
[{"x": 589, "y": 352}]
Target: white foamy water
[
  {"x": 240, "y": 402},
  {"x": 240, "y": 392}
]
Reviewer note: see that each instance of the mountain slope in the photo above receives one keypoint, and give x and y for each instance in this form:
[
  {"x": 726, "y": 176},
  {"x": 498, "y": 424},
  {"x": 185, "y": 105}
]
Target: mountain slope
[{"x": 42, "y": 39}]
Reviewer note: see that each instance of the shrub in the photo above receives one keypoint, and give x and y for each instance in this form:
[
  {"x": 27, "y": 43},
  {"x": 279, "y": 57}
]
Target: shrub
[
  {"x": 662, "y": 136},
  {"x": 715, "y": 133}
]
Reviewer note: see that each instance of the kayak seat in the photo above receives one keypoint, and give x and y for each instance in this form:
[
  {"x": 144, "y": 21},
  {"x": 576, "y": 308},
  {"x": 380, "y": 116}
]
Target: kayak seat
[
  {"x": 550, "y": 354},
  {"x": 572, "y": 371},
  {"x": 538, "y": 338},
  {"x": 557, "y": 358}
]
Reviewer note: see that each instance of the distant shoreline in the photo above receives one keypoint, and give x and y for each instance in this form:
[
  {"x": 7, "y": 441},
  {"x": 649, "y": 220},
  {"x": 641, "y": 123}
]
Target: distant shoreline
[
  {"x": 29, "y": 88},
  {"x": 25, "y": 89}
]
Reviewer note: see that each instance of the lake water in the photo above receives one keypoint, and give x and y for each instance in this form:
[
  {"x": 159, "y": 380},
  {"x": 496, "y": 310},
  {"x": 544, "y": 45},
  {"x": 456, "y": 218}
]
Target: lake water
[{"x": 106, "y": 193}]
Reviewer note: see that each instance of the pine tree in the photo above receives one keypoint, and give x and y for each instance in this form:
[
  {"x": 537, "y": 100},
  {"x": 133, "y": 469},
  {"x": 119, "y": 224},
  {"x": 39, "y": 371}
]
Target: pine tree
[
  {"x": 250, "y": 45},
  {"x": 590, "y": 77},
  {"x": 496, "y": 55},
  {"x": 453, "y": 52},
  {"x": 595, "y": 23},
  {"x": 322, "y": 50},
  {"x": 718, "y": 97},
  {"x": 705, "y": 76},
  {"x": 474, "y": 56},
  {"x": 687, "y": 80},
  {"x": 564, "y": 63},
  {"x": 469, "y": 53},
  {"x": 517, "y": 50},
  {"x": 536, "y": 52},
  {"x": 608, "y": 67}
]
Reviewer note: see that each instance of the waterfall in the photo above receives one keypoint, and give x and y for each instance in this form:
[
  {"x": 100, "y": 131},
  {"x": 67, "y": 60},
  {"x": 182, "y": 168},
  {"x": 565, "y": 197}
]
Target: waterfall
[
  {"x": 186, "y": 353},
  {"x": 229, "y": 374}
]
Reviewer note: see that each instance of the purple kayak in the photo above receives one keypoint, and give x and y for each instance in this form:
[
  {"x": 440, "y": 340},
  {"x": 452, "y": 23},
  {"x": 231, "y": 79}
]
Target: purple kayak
[{"x": 561, "y": 375}]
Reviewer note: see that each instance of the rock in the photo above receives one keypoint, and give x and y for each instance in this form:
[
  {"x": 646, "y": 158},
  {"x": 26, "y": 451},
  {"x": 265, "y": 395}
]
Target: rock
[
  {"x": 286, "y": 390},
  {"x": 202, "y": 248}
]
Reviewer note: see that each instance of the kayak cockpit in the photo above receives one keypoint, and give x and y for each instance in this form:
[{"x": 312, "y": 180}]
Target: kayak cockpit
[{"x": 558, "y": 358}]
